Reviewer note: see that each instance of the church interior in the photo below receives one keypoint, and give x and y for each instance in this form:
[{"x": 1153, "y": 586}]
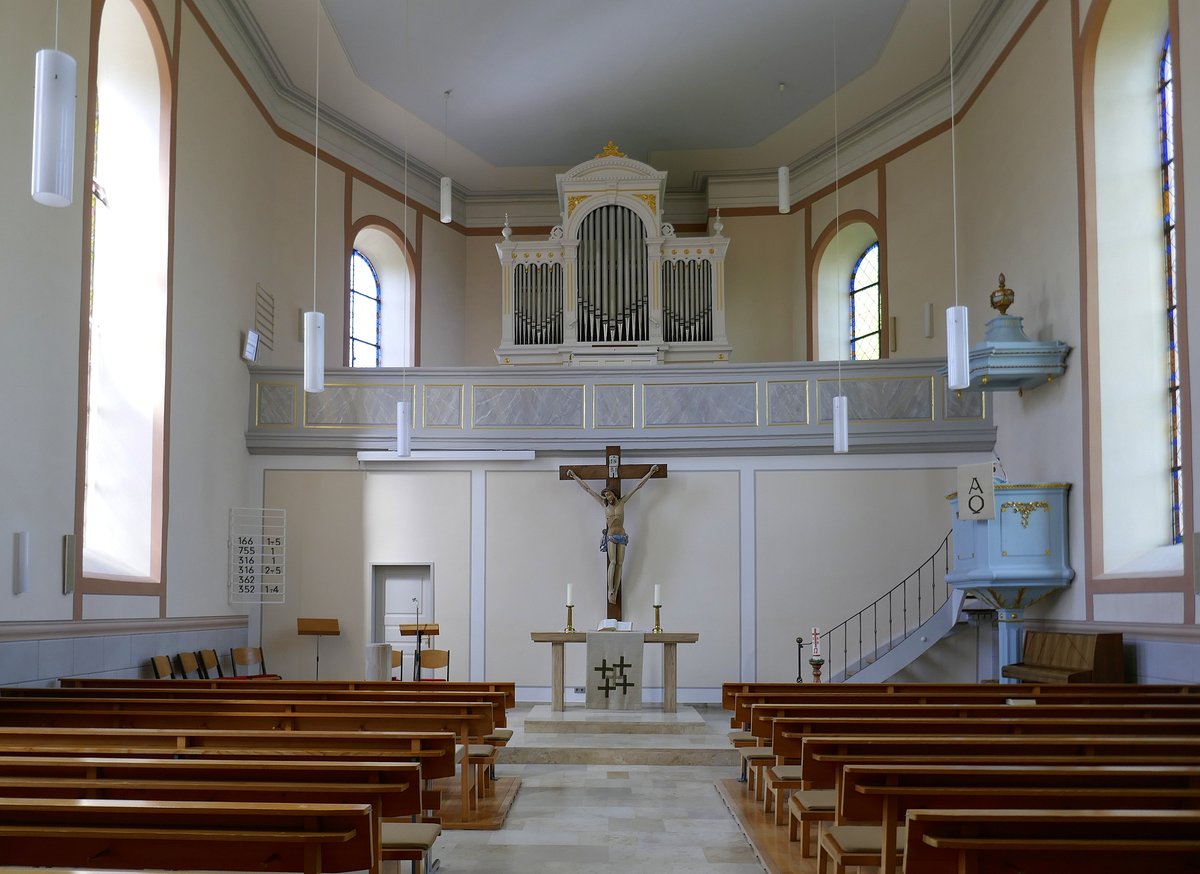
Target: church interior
[{"x": 330, "y": 301}]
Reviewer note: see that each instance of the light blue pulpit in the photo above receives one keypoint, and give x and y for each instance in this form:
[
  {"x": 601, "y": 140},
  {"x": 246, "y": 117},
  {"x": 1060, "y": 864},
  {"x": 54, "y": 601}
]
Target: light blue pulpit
[{"x": 1016, "y": 559}]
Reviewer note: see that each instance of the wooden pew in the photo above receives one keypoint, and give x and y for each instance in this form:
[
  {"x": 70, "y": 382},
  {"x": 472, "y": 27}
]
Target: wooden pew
[
  {"x": 882, "y": 794},
  {"x": 180, "y": 835},
  {"x": 1069, "y": 657},
  {"x": 730, "y": 689},
  {"x": 744, "y": 701},
  {"x": 159, "y": 692},
  {"x": 788, "y": 732},
  {"x": 435, "y": 752},
  {"x": 823, "y": 760},
  {"x": 1052, "y": 841},
  {"x": 468, "y": 721},
  {"x": 776, "y": 779},
  {"x": 392, "y": 789},
  {"x": 509, "y": 689}
]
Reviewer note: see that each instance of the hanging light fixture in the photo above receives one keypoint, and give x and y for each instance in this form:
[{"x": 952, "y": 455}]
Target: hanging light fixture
[
  {"x": 785, "y": 192},
  {"x": 958, "y": 352},
  {"x": 403, "y": 428},
  {"x": 53, "y": 181},
  {"x": 314, "y": 322},
  {"x": 446, "y": 202},
  {"x": 841, "y": 407},
  {"x": 403, "y": 416}
]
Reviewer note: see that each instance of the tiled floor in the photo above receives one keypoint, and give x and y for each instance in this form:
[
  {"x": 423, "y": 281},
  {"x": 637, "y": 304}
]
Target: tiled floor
[{"x": 609, "y": 817}]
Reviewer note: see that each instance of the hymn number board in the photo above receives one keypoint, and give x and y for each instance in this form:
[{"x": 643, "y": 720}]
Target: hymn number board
[{"x": 257, "y": 556}]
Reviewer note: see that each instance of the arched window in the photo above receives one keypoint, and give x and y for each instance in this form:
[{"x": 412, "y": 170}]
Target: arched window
[
  {"x": 365, "y": 312},
  {"x": 124, "y": 372},
  {"x": 864, "y": 306},
  {"x": 381, "y": 298},
  {"x": 1166, "y": 130},
  {"x": 850, "y": 297},
  {"x": 1137, "y": 467}
]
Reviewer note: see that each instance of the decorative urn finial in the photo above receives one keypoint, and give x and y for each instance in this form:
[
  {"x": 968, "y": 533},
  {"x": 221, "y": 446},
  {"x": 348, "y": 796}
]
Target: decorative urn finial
[
  {"x": 1002, "y": 297},
  {"x": 718, "y": 225},
  {"x": 506, "y": 232}
]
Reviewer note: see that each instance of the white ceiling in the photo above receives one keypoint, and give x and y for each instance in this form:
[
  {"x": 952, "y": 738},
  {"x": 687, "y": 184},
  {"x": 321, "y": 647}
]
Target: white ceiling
[
  {"x": 537, "y": 86},
  {"x": 549, "y": 81}
]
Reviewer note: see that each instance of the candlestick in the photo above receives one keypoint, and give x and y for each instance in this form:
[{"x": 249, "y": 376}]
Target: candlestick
[
  {"x": 570, "y": 623},
  {"x": 657, "y": 619},
  {"x": 570, "y": 598},
  {"x": 657, "y": 595}
]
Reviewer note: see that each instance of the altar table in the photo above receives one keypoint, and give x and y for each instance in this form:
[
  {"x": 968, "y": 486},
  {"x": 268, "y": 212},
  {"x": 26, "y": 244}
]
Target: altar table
[{"x": 668, "y": 639}]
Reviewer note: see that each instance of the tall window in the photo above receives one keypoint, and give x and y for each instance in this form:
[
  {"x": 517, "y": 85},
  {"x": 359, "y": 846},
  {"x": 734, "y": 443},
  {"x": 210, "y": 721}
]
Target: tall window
[
  {"x": 124, "y": 465},
  {"x": 864, "y": 306},
  {"x": 365, "y": 312},
  {"x": 1166, "y": 130}
]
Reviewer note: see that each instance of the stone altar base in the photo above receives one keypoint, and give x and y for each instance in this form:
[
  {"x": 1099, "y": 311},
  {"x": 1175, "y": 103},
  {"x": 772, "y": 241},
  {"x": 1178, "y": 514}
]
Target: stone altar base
[{"x": 597, "y": 737}]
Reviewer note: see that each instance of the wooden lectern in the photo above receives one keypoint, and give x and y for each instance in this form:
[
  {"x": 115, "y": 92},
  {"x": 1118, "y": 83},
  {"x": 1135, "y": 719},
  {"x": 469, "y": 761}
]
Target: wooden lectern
[
  {"x": 318, "y": 627},
  {"x": 419, "y": 629}
]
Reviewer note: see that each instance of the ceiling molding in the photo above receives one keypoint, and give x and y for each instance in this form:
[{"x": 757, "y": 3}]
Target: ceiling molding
[{"x": 885, "y": 130}]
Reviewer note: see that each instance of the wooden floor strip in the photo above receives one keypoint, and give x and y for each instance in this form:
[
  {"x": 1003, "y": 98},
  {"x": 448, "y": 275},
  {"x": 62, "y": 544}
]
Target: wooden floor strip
[{"x": 770, "y": 842}]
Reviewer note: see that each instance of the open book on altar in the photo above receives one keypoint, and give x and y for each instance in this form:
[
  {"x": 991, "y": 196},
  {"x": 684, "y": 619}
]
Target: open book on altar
[{"x": 614, "y": 625}]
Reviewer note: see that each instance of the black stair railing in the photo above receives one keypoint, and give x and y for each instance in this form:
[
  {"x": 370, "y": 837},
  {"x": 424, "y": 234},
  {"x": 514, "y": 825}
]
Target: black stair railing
[{"x": 888, "y": 620}]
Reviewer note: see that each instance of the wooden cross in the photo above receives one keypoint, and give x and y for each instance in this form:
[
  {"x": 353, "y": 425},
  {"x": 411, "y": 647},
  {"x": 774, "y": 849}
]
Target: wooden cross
[{"x": 612, "y": 472}]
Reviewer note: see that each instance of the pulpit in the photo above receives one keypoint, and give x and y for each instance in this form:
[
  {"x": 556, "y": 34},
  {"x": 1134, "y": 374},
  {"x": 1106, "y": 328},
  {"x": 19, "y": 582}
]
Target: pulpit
[{"x": 1016, "y": 559}]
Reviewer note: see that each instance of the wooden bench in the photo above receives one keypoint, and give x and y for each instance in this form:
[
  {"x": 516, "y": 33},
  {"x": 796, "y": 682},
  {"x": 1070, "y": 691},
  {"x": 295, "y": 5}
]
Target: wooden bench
[
  {"x": 882, "y": 794},
  {"x": 781, "y": 777},
  {"x": 742, "y": 702},
  {"x": 1052, "y": 841},
  {"x": 1069, "y": 657},
  {"x": 392, "y": 789},
  {"x": 185, "y": 835},
  {"x": 509, "y": 689},
  {"x": 434, "y": 751},
  {"x": 824, "y": 759},
  {"x": 731, "y": 689},
  {"x": 466, "y": 721}
]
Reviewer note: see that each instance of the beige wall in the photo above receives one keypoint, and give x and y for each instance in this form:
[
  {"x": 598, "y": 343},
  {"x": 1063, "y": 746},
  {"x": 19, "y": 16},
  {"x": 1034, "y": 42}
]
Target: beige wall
[
  {"x": 830, "y": 542},
  {"x": 324, "y": 572},
  {"x": 759, "y": 287},
  {"x": 482, "y": 272}
]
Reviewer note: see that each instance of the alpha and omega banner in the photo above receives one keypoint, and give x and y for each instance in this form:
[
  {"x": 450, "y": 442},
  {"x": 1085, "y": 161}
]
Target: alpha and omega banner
[{"x": 976, "y": 492}]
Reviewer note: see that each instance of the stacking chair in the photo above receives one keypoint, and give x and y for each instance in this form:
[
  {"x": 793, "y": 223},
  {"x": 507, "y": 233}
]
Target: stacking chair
[
  {"x": 189, "y": 665},
  {"x": 397, "y": 662},
  {"x": 431, "y": 659},
  {"x": 162, "y": 667},
  {"x": 210, "y": 664},
  {"x": 248, "y": 661}
]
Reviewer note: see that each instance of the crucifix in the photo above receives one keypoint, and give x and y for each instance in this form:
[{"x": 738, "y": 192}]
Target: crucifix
[{"x": 615, "y": 538}]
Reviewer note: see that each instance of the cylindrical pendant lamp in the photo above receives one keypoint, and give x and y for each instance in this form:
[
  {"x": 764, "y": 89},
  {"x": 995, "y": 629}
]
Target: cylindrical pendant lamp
[
  {"x": 841, "y": 425},
  {"x": 314, "y": 352},
  {"x": 785, "y": 190},
  {"x": 958, "y": 353},
  {"x": 53, "y": 128},
  {"x": 446, "y": 204},
  {"x": 403, "y": 429}
]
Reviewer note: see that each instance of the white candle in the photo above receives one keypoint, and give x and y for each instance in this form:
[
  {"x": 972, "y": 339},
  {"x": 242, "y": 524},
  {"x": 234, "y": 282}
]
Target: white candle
[
  {"x": 657, "y": 595},
  {"x": 570, "y": 600},
  {"x": 816, "y": 639}
]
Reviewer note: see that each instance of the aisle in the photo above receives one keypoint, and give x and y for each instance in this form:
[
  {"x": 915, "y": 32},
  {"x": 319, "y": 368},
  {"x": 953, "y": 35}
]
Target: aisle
[{"x": 588, "y": 819}]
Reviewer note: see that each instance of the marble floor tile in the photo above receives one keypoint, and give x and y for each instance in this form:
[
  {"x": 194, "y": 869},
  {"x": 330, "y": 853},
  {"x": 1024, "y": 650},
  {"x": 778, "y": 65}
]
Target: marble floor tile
[{"x": 603, "y": 817}]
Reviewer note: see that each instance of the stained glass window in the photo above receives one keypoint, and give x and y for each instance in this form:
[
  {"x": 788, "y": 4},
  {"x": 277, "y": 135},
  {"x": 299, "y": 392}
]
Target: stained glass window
[
  {"x": 1166, "y": 131},
  {"x": 364, "y": 312},
  {"x": 865, "y": 308}
]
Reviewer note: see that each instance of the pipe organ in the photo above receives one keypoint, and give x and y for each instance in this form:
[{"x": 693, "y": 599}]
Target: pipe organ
[{"x": 613, "y": 283}]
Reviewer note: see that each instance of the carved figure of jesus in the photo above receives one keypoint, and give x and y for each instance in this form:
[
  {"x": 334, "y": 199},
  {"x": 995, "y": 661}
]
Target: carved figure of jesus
[{"x": 614, "y": 538}]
